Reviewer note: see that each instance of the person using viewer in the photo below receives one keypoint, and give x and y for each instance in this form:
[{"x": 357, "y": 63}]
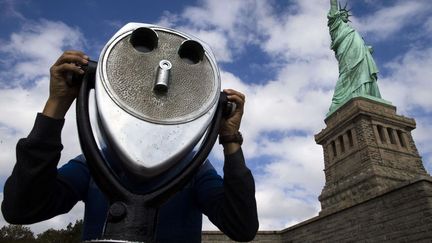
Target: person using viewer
[{"x": 37, "y": 190}]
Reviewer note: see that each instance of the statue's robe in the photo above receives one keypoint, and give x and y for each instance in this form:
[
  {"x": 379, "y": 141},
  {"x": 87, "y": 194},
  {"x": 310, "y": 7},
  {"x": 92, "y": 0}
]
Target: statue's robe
[{"x": 357, "y": 69}]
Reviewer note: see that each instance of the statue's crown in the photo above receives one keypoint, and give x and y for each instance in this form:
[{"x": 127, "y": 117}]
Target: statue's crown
[{"x": 344, "y": 9}]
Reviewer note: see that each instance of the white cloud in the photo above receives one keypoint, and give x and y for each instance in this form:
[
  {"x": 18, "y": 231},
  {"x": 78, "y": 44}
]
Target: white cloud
[
  {"x": 207, "y": 224},
  {"x": 408, "y": 85},
  {"x": 229, "y": 31},
  {"x": 275, "y": 205},
  {"x": 283, "y": 104},
  {"x": 34, "y": 49},
  {"x": 19, "y": 107},
  {"x": 302, "y": 35},
  {"x": 216, "y": 40},
  {"x": 168, "y": 19},
  {"x": 213, "y": 13},
  {"x": 238, "y": 21},
  {"x": 389, "y": 20},
  {"x": 19, "y": 102},
  {"x": 293, "y": 179}
]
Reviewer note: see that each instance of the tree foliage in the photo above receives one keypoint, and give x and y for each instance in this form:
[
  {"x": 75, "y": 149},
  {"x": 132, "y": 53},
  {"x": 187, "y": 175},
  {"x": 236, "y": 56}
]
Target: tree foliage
[
  {"x": 71, "y": 234},
  {"x": 16, "y": 233},
  {"x": 23, "y": 234}
]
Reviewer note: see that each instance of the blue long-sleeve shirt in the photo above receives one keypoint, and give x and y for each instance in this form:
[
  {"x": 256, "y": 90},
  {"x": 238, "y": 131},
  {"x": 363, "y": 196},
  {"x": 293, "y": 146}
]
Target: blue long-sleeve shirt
[{"x": 37, "y": 191}]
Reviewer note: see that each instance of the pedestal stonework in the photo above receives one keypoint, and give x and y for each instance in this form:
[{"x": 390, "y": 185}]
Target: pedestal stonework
[
  {"x": 376, "y": 190},
  {"x": 368, "y": 150}
]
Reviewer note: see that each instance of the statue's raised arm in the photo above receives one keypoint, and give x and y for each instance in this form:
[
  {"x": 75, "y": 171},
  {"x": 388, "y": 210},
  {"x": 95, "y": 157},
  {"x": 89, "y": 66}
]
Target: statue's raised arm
[
  {"x": 357, "y": 69},
  {"x": 333, "y": 6}
]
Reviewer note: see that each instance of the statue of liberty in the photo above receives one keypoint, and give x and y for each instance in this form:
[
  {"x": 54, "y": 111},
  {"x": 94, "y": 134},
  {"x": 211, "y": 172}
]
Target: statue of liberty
[{"x": 357, "y": 69}]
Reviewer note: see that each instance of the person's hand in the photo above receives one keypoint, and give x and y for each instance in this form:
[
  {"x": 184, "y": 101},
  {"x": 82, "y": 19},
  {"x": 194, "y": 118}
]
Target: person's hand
[
  {"x": 231, "y": 125},
  {"x": 62, "y": 91}
]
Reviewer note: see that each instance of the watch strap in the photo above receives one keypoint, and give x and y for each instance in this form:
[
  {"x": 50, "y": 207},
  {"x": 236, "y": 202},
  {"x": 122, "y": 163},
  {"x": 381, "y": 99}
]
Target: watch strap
[{"x": 233, "y": 138}]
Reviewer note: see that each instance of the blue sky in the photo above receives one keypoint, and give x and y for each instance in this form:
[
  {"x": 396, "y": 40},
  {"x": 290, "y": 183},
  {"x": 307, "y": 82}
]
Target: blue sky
[{"x": 276, "y": 52}]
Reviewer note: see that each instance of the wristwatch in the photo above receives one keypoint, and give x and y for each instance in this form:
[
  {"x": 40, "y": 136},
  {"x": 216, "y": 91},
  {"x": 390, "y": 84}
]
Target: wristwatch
[{"x": 234, "y": 138}]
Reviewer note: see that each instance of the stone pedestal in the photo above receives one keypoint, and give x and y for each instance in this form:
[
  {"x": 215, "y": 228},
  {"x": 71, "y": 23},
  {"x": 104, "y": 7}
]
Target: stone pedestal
[
  {"x": 376, "y": 190},
  {"x": 368, "y": 150}
]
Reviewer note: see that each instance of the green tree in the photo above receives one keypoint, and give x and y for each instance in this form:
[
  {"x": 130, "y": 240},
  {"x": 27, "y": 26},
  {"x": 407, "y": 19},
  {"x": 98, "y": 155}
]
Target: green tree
[
  {"x": 22, "y": 234},
  {"x": 71, "y": 234},
  {"x": 16, "y": 233},
  {"x": 50, "y": 236}
]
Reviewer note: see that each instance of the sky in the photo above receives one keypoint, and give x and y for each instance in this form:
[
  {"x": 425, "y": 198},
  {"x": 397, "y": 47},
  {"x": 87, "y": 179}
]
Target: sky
[{"x": 275, "y": 52}]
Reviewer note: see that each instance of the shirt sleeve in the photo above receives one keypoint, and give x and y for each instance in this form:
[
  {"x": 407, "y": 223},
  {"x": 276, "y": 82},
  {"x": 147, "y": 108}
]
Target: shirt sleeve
[
  {"x": 35, "y": 191},
  {"x": 229, "y": 203}
]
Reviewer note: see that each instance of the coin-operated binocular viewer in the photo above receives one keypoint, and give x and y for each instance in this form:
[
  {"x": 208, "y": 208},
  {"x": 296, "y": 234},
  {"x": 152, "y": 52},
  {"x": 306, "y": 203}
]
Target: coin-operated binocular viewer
[{"x": 154, "y": 120}]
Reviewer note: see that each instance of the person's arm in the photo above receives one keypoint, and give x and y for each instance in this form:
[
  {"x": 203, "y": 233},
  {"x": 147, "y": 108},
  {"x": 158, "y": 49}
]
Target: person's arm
[
  {"x": 230, "y": 202},
  {"x": 34, "y": 191},
  {"x": 232, "y": 205}
]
